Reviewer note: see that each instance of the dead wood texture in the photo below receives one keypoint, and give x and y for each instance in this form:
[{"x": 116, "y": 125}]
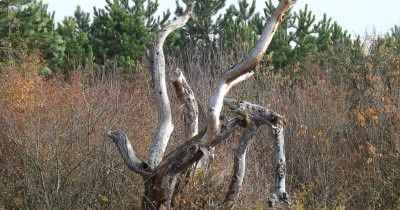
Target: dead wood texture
[{"x": 161, "y": 173}]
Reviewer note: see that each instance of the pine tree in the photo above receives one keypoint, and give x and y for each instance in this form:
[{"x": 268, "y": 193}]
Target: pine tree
[
  {"x": 121, "y": 30},
  {"x": 300, "y": 37},
  {"x": 8, "y": 24},
  {"x": 280, "y": 47},
  {"x": 75, "y": 32},
  {"x": 200, "y": 31},
  {"x": 391, "y": 40},
  {"x": 32, "y": 26},
  {"x": 235, "y": 28}
]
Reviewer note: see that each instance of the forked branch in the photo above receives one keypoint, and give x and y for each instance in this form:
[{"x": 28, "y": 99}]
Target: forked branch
[
  {"x": 161, "y": 172},
  {"x": 165, "y": 125},
  {"x": 253, "y": 116}
]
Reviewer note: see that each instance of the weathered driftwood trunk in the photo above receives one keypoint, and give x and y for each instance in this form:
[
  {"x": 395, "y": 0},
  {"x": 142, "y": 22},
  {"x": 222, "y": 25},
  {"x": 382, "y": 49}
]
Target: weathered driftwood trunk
[
  {"x": 252, "y": 117},
  {"x": 161, "y": 173},
  {"x": 165, "y": 125}
]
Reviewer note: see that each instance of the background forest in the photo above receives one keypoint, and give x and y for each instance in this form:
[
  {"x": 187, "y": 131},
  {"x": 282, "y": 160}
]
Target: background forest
[{"x": 63, "y": 85}]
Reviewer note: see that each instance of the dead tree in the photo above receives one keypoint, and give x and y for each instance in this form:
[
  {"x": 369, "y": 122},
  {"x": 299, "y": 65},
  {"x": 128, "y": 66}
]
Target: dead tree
[{"x": 161, "y": 172}]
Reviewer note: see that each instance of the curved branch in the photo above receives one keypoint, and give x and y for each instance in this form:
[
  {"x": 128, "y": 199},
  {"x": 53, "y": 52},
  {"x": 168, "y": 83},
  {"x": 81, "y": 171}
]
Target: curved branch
[
  {"x": 241, "y": 71},
  {"x": 128, "y": 153},
  {"x": 242, "y": 114},
  {"x": 165, "y": 126},
  {"x": 258, "y": 115}
]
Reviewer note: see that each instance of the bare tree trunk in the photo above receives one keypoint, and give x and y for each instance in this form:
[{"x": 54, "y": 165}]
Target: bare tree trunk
[
  {"x": 165, "y": 126},
  {"x": 161, "y": 173}
]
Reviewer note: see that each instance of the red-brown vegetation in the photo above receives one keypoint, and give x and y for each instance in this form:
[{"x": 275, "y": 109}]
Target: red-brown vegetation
[{"x": 343, "y": 139}]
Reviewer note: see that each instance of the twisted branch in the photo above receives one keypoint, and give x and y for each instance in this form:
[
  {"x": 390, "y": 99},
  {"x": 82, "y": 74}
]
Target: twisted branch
[
  {"x": 128, "y": 153},
  {"x": 254, "y": 116}
]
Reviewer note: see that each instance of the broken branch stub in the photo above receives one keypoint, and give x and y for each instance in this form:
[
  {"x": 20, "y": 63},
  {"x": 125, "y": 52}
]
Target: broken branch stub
[
  {"x": 187, "y": 99},
  {"x": 279, "y": 167}
]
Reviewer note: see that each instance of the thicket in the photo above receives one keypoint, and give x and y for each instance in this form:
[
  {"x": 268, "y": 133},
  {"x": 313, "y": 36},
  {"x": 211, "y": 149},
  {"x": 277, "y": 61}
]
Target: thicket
[{"x": 62, "y": 87}]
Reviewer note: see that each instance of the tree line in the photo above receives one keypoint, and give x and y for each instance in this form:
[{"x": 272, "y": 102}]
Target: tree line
[
  {"x": 339, "y": 96},
  {"x": 120, "y": 32}
]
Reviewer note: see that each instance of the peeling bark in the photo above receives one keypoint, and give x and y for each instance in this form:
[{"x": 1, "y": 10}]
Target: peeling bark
[
  {"x": 260, "y": 115},
  {"x": 188, "y": 101},
  {"x": 252, "y": 114},
  {"x": 161, "y": 183},
  {"x": 180, "y": 162}
]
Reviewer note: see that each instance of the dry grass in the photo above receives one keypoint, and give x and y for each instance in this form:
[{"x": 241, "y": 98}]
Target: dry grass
[{"x": 342, "y": 137}]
